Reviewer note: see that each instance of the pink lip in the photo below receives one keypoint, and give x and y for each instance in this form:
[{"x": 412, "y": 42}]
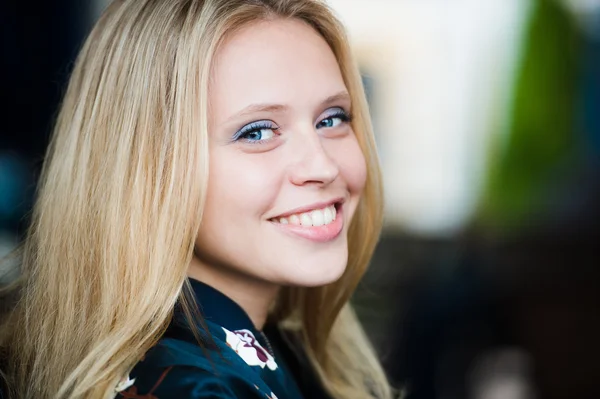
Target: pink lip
[{"x": 316, "y": 233}]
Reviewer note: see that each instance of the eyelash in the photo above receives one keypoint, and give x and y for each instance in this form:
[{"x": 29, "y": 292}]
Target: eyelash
[
  {"x": 344, "y": 116},
  {"x": 255, "y": 127}
]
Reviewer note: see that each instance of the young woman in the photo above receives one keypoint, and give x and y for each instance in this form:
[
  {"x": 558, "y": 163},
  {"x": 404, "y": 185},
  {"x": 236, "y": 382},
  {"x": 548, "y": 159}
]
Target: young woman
[{"x": 210, "y": 200}]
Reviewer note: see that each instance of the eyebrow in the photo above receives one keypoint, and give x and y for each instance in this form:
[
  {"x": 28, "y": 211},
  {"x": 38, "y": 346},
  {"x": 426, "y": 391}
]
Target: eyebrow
[{"x": 255, "y": 108}]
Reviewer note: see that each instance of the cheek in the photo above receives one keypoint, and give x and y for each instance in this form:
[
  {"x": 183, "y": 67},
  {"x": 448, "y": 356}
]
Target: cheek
[
  {"x": 351, "y": 162},
  {"x": 239, "y": 186},
  {"x": 240, "y": 191}
]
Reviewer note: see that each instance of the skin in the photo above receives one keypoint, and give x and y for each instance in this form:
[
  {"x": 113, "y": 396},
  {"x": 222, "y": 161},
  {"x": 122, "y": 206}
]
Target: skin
[{"x": 309, "y": 158}]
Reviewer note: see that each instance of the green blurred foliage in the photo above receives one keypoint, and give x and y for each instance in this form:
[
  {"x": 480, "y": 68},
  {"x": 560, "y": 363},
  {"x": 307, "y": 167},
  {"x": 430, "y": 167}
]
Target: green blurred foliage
[{"x": 541, "y": 138}]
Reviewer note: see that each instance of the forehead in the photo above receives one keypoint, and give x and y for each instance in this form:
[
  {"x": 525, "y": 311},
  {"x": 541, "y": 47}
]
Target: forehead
[{"x": 274, "y": 61}]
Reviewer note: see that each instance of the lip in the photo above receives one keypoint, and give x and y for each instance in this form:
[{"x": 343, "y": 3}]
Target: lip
[
  {"x": 320, "y": 234},
  {"x": 319, "y": 205}
]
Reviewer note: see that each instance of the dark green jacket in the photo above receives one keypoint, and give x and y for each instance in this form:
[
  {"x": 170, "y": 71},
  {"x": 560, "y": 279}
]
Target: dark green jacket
[{"x": 235, "y": 360}]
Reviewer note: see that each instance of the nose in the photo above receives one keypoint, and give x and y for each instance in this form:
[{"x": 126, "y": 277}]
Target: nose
[{"x": 313, "y": 165}]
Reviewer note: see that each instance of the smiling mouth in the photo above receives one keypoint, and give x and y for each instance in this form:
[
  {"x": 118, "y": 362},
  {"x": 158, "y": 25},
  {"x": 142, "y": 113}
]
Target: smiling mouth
[
  {"x": 322, "y": 225},
  {"x": 314, "y": 218}
]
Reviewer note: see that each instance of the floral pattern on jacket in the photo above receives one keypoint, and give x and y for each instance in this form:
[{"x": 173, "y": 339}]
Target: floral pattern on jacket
[{"x": 245, "y": 344}]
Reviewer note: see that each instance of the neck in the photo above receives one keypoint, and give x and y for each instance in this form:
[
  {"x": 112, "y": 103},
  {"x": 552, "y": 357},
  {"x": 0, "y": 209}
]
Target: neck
[{"x": 253, "y": 295}]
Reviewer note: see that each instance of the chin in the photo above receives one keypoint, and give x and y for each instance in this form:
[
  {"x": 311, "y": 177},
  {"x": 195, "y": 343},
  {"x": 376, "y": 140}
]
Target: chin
[{"x": 307, "y": 275}]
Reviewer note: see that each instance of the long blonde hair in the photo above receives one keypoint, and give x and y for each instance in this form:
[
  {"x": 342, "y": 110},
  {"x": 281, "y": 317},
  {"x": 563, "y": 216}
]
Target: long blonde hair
[{"x": 120, "y": 203}]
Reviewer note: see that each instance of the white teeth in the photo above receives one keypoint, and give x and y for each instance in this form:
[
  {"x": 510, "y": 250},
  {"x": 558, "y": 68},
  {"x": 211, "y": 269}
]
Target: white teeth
[
  {"x": 305, "y": 219},
  {"x": 318, "y": 217},
  {"x": 328, "y": 215}
]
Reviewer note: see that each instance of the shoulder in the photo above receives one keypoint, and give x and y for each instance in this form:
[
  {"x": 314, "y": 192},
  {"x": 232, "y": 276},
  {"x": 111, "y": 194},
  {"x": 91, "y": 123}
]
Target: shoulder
[{"x": 179, "y": 369}]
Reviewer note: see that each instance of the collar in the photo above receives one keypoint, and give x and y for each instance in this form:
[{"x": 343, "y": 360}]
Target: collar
[
  {"x": 218, "y": 311},
  {"x": 218, "y": 308}
]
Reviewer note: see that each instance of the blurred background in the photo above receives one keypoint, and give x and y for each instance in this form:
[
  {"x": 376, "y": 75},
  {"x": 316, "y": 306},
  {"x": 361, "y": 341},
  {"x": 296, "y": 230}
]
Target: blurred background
[{"x": 486, "y": 283}]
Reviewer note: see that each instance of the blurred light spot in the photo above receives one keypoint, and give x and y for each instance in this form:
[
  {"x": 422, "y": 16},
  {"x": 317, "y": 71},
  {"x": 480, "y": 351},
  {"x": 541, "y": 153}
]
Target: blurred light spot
[{"x": 502, "y": 374}]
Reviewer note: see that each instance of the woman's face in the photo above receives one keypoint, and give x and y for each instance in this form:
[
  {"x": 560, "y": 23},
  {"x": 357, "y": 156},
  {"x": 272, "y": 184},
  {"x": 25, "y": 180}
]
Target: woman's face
[{"x": 286, "y": 170}]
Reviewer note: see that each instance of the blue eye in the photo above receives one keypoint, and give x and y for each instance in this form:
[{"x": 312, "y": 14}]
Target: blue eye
[
  {"x": 337, "y": 118},
  {"x": 256, "y": 132}
]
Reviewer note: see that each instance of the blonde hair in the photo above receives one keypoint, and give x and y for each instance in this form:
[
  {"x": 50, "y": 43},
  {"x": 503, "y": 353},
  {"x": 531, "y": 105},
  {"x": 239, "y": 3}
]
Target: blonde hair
[{"x": 120, "y": 202}]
